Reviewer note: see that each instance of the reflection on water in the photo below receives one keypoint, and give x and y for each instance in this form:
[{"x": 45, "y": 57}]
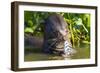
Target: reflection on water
[{"x": 36, "y": 54}]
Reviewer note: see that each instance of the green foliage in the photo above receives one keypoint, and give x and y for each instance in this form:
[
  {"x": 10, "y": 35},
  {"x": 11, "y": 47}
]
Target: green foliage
[
  {"x": 35, "y": 22},
  {"x": 79, "y": 25}
]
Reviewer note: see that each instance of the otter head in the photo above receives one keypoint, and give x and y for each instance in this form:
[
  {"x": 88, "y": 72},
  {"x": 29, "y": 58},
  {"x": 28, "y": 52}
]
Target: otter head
[{"x": 59, "y": 25}]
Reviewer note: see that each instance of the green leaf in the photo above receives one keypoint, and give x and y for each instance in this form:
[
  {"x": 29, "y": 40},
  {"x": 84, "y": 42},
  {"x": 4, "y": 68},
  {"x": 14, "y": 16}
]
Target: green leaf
[
  {"x": 79, "y": 21},
  {"x": 28, "y": 30},
  {"x": 30, "y": 23}
]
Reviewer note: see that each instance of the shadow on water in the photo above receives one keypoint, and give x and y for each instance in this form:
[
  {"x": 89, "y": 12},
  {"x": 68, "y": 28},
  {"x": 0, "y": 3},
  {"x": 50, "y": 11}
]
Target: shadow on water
[{"x": 36, "y": 54}]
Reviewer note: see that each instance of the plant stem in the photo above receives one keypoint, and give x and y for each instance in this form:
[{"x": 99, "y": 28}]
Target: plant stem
[{"x": 71, "y": 29}]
